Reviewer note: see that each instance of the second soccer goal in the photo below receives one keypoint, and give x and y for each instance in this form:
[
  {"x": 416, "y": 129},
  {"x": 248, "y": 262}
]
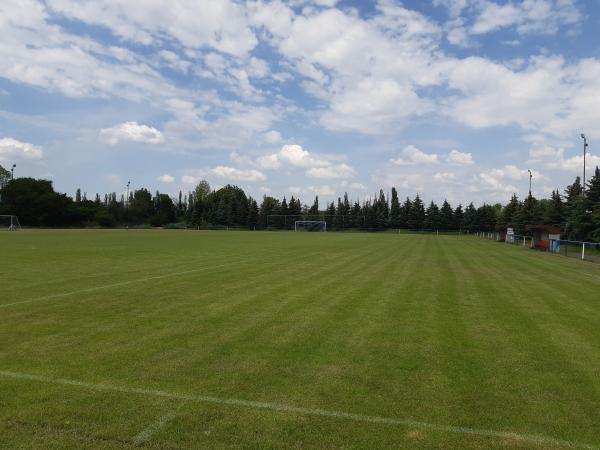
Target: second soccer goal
[{"x": 310, "y": 225}]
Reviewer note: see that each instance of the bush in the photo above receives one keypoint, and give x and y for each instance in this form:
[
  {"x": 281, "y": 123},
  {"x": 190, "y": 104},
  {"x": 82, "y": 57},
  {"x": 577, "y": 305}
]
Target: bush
[{"x": 104, "y": 218}]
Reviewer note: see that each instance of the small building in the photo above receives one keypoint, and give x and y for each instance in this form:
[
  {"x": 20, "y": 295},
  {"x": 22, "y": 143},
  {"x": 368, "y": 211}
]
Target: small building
[
  {"x": 543, "y": 235},
  {"x": 501, "y": 233}
]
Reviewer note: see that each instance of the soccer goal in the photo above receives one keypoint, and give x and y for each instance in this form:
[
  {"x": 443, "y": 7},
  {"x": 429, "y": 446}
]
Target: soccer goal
[
  {"x": 9, "y": 223},
  {"x": 310, "y": 225}
]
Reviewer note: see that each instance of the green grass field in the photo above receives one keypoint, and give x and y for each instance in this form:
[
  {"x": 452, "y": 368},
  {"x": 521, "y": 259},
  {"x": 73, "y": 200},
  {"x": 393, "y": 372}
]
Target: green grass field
[{"x": 191, "y": 339}]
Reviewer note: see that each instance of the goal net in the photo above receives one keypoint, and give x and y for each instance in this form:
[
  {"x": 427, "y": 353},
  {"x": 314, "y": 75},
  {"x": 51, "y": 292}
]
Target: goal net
[
  {"x": 310, "y": 225},
  {"x": 9, "y": 223}
]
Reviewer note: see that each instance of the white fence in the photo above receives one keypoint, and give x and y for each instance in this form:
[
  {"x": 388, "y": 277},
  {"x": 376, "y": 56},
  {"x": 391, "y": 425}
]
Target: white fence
[{"x": 589, "y": 251}]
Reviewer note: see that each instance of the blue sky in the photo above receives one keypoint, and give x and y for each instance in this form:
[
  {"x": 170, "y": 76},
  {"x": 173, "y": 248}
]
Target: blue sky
[{"x": 451, "y": 99}]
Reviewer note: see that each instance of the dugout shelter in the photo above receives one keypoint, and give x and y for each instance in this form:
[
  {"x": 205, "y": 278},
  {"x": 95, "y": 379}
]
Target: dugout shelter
[{"x": 543, "y": 235}]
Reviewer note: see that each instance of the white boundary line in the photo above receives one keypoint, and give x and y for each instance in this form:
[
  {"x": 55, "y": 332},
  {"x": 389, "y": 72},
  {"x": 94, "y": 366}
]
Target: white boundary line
[
  {"x": 146, "y": 434},
  {"x": 122, "y": 283},
  {"x": 538, "y": 440}
]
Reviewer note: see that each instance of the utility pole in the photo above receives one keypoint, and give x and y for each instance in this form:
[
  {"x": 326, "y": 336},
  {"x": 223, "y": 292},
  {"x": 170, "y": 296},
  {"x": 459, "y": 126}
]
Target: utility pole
[
  {"x": 585, "y": 145},
  {"x": 530, "y": 177},
  {"x": 12, "y": 172}
]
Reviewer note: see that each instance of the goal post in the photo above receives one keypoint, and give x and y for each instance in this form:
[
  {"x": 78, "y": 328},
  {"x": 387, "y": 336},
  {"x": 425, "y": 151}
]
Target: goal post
[
  {"x": 310, "y": 225},
  {"x": 9, "y": 222}
]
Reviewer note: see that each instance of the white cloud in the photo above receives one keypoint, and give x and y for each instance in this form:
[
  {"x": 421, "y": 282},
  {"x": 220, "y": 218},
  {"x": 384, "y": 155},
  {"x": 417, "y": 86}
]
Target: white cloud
[
  {"x": 371, "y": 106},
  {"x": 363, "y": 69},
  {"x": 358, "y": 186},
  {"x": 325, "y": 190},
  {"x": 411, "y": 155},
  {"x": 554, "y": 158},
  {"x": 268, "y": 162},
  {"x": 296, "y": 156},
  {"x": 166, "y": 178},
  {"x": 131, "y": 132},
  {"x": 190, "y": 180},
  {"x": 233, "y": 173},
  {"x": 455, "y": 7},
  {"x": 444, "y": 177},
  {"x": 332, "y": 172},
  {"x": 527, "y": 16},
  {"x": 12, "y": 150},
  {"x": 174, "y": 61},
  {"x": 547, "y": 96},
  {"x": 460, "y": 158},
  {"x": 219, "y": 24},
  {"x": 272, "y": 137}
]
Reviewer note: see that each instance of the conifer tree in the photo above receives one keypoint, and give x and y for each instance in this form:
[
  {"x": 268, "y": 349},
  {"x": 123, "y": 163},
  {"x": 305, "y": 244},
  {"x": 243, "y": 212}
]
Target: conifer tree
[
  {"x": 458, "y": 217},
  {"x": 554, "y": 214},
  {"x": 252, "y": 220},
  {"x": 470, "y": 218},
  {"x": 314, "y": 209},
  {"x": 528, "y": 214},
  {"x": 432, "y": 217},
  {"x": 395, "y": 210},
  {"x": 356, "y": 216},
  {"x": 446, "y": 216},
  {"x": 405, "y": 213},
  {"x": 508, "y": 217},
  {"x": 416, "y": 215},
  {"x": 575, "y": 207},
  {"x": 592, "y": 191}
]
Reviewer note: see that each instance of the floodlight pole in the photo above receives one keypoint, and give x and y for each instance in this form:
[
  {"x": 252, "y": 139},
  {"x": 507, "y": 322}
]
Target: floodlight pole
[
  {"x": 585, "y": 145},
  {"x": 12, "y": 172},
  {"x": 530, "y": 177}
]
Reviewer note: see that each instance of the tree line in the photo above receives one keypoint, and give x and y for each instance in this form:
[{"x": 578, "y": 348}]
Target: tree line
[{"x": 576, "y": 210}]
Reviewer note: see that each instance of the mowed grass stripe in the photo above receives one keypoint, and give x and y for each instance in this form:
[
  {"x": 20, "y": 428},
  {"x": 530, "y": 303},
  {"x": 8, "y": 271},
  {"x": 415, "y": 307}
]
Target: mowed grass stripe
[
  {"x": 536, "y": 440},
  {"x": 431, "y": 329},
  {"x": 306, "y": 342},
  {"x": 542, "y": 370},
  {"x": 144, "y": 339}
]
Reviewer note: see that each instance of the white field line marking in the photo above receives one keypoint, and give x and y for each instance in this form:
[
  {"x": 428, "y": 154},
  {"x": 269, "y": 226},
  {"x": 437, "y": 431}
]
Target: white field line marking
[
  {"x": 122, "y": 283},
  {"x": 146, "y": 434},
  {"x": 538, "y": 440}
]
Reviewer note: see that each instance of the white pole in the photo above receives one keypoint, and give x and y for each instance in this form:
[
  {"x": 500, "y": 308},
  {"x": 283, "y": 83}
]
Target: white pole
[{"x": 583, "y": 251}]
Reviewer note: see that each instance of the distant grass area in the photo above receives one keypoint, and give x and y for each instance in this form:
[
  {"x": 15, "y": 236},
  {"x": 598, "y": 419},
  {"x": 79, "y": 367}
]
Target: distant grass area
[{"x": 113, "y": 339}]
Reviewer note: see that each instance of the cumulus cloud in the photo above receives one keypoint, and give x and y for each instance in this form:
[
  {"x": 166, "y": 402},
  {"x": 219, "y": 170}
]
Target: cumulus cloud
[
  {"x": 460, "y": 158},
  {"x": 554, "y": 158},
  {"x": 293, "y": 156},
  {"x": 444, "y": 177},
  {"x": 131, "y": 132},
  {"x": 296, "y": 156},
  {"x": 332, "y": 172},
  {"x": 13, "y": 150},
  {"x": 166, "y": 178},
  {"x": 232, "y": 173},
  {"x": 411, "y": 155}
]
